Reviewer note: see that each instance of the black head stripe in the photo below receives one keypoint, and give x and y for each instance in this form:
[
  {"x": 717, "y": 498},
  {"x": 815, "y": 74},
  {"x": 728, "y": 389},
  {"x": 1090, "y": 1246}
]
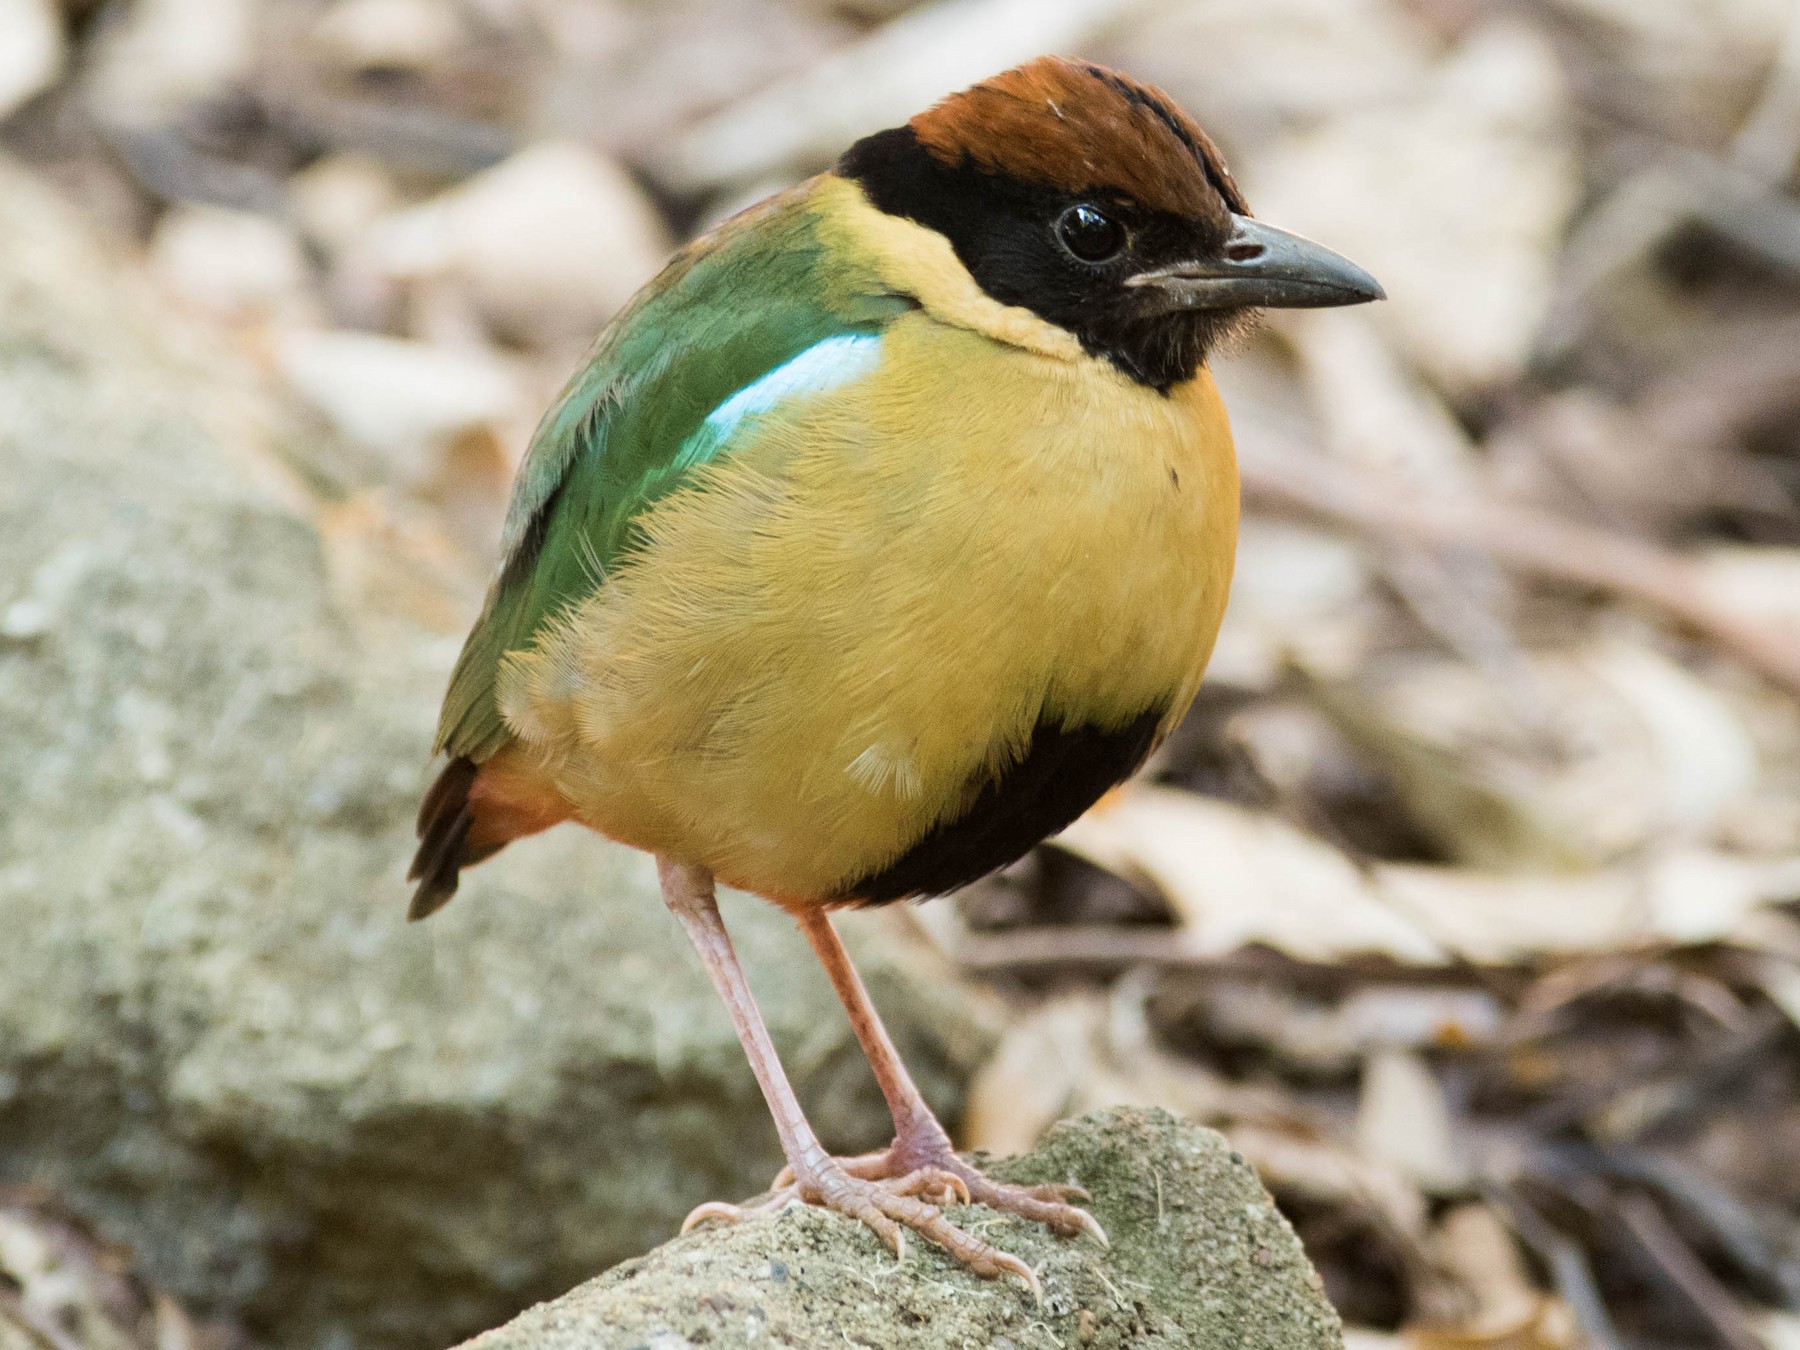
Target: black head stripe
[{"x": 1002, "y": 229}]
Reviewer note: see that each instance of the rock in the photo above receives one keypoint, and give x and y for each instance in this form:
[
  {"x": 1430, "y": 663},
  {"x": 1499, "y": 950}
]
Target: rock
[
  {"x": 549, "y": 243},
  {"x": 404, "y": 400},
  {"x": 338, "y": 198},
  {"x": 388, "y": 35},
  {"x": 219, "y": 1042},
  {"x": 164, "y": 56},
  {"x": 1200, "y": 1258},
  {"x": 234, "y": 265},
  {"x": 31, "y": 50}
]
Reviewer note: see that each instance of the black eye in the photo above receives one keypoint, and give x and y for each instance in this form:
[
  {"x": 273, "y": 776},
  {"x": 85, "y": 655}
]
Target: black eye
[{"x": 1090, "y": 234}]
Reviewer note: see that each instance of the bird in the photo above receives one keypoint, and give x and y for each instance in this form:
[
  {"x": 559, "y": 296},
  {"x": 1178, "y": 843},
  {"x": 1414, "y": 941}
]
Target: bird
[{"x": 882, "y": 533}]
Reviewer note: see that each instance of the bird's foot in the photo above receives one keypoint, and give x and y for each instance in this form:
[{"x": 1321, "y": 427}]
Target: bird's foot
[
  {"x": 891, "y": 1203},
  {"x": 1047, "y": 1204}
]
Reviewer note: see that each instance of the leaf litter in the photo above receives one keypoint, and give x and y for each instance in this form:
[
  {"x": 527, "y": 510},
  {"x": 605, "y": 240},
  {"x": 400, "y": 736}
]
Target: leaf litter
[{"x": 1467, "y": 899}]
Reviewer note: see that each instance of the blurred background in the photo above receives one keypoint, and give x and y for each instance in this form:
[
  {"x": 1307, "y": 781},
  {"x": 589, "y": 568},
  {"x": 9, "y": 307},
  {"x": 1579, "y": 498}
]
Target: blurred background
[{"x": 1466, "y": 902}]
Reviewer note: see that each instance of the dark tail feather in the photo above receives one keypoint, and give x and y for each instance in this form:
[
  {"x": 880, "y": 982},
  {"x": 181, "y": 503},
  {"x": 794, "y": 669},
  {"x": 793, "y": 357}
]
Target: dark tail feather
[
  {"x": 445, "y": 818},
  {"x": 471, "y": 813}
]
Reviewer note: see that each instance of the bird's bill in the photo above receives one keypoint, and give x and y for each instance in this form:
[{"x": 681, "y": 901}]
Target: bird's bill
[{"x": 1260, "y": 267}]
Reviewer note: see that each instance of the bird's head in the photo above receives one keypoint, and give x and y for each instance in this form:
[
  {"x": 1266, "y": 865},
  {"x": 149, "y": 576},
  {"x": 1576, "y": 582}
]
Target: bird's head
[{"x": 1099, "y": 205}]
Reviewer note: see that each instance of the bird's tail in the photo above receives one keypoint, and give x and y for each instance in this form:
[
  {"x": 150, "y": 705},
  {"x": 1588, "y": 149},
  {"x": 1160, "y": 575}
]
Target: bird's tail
[
  {"x": 445, "y": 818},
  {"x": 470, "y": 813}
]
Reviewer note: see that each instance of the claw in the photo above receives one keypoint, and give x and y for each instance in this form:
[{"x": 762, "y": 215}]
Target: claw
[
  {"x": 729, "y": 1213},
  {"x": 1014, "y": 1266},
  {"x": 959, "y": 1188},
  {"x": 933, "y": 1183},
  {"x": 872, "y": 1189},
  {"x": 1091, "y": 1226},
  {"x": 712, "y": 1209}
]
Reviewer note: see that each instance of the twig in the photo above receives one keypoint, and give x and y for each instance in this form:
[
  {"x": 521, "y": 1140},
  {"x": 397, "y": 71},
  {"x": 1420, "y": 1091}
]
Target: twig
[
  {"x": 1769, "y": 140},
  {"x": 406, "y": 137},
  {"x": 1666, "y": 1254},
  {"x": 1726, "y": 1218},
  {"x": 1741, "y": 198},
  {"x": 1660, "y": 1104},
  {"x": 1103, "y": 945},
  {"x": 1631, "y": 1105},
  {"x": 1569, "y": 1270},
  {"x": 1530, "y": 541}
]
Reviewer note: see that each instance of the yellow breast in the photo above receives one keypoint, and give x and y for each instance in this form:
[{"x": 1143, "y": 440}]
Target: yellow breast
[{"x": 838, "y": 627}]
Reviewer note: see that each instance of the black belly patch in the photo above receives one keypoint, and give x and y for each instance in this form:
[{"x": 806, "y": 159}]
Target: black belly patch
[{"x": 1063, "y": 771}]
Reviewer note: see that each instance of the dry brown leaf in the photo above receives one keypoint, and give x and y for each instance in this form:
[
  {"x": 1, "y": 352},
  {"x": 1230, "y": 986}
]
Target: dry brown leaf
[
  {"x": 1473, "y": 1246},
  {"x": 1301, "y": 596},
  {"x": 61, "y": 1288},
  {"x": 1762, "y": 584},
  {"x": 1779, "y": 979},
  {"x": 1236, "y": 878},
  {"x": 1318, "y": 1170},
  {"x": 338, "y": 199},
  {"x": 1690, "y": 67},
  {"x": 1310, "y": 1039},
  {"x": 1681, "y": 896},
  {"x": 1403, "y": 1120},
  {"x": 388, "y": 34},
  {"x": 1480, "y": 169},
  {"x": 165, "y": 55},
  {"x": 1084, "y": 1052},
  {"x": 1548, "y": 1326},
  {"x": 1026, "y": 1084},
  {"x": 1779, "y": 1330},
  {"x": 1589, "y": 755},
  {"x": 1374, "y": 410}
]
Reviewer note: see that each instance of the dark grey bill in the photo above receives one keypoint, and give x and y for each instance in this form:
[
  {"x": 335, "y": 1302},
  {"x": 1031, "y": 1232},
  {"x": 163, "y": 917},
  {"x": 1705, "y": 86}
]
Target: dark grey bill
[{"x": 1260, "y": 267}]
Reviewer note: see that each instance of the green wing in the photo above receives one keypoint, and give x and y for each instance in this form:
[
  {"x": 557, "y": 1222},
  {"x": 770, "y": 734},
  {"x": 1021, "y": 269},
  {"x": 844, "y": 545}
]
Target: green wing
[{"x": 633, "y": 423}]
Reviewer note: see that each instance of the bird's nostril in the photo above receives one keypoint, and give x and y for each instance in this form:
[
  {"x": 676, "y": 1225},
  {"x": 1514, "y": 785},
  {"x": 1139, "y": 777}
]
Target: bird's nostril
[{"x": 1244, "y": 252}]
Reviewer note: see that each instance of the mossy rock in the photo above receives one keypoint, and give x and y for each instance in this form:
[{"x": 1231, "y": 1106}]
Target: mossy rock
[{"x": 1200, "y": 1258}]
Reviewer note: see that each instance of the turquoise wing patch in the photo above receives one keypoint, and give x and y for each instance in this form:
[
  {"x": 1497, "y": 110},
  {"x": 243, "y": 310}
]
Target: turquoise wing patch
[{"x": 826, "y": 365}]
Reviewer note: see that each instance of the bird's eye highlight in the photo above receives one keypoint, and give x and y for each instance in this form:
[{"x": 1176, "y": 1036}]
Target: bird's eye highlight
[{"x": 1090, "y": 234}]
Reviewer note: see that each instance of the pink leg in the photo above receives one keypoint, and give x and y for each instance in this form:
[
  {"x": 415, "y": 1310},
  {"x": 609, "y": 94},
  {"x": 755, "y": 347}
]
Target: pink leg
[
  {"x": 920, "y": 1141},
  {"x": 890, "y": 1204}
]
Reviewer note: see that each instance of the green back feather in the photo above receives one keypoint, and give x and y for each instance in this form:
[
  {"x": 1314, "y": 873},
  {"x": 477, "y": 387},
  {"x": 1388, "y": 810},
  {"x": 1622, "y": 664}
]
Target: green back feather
[{"x": 727, "y": 311}]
